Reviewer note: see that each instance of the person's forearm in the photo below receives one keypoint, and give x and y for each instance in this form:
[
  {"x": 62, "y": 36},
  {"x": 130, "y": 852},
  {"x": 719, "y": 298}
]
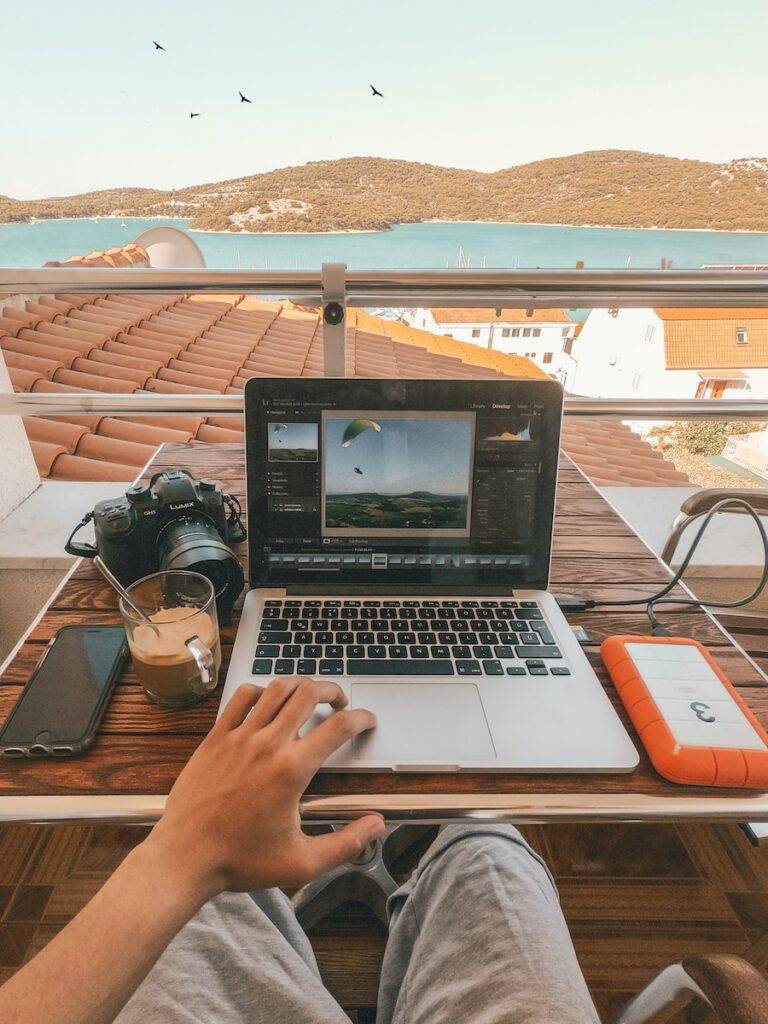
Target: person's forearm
[{"x": 87, "y": 973}]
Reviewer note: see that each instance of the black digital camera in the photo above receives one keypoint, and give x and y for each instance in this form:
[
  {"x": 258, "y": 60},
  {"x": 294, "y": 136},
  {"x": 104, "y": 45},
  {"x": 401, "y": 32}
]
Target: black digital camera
[{"x": 173, "y": 522}]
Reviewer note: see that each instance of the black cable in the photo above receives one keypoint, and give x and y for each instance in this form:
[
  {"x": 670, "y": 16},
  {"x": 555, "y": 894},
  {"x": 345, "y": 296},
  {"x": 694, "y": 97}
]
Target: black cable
[{"x": 657, "y": 628}]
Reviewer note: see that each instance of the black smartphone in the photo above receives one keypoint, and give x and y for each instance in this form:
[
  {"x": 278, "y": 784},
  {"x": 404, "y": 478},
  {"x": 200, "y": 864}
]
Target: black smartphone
[{"x": 61, "y": 706}]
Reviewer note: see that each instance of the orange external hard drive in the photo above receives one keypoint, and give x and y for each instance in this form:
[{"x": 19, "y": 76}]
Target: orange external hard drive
[{"x": 694, "y": 725}]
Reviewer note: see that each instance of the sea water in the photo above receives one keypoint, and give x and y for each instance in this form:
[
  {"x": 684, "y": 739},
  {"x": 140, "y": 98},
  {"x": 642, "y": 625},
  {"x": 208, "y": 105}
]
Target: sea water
[{"x": 431, "y": 245}]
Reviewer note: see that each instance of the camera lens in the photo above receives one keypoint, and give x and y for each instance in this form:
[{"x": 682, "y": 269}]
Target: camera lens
[{"x": 195, "y": 544}]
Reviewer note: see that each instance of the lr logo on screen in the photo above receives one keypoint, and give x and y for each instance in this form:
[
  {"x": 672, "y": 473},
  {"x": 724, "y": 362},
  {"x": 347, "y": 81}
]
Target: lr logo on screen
[{"x": 700, "y": 709}]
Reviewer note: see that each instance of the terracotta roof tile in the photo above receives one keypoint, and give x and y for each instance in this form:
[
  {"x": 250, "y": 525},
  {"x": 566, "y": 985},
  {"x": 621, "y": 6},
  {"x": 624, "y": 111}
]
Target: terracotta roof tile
[
  {"x": 45, "y": 455},
  {"x": 74, "y": 467},
  {"x": 56, "y": 342},
  {"x": 185, "y": 422},
  {"x": 23, "y": 380},
  {"x": 69, "y": 334},
  {"x": 191, "y": 378},
  {"x": 113, "y": 355},
  {"x": 510, "y": 316},
  {"x": 141, "y": 433},
  {"x": 111, "y": 449},
  {"x": 30, "y": 348},
  {"x": 611, "y": 454},
  {"x": 50, "y": 431},
  {"x": 45, "y": 367},
  {"x": 116, "y": 371},
  {"x": 218, "y": 434},
  {"x": 127, "y": 255},
  {"x": 94, "y": 382},
  {"x": 697, "y": 338}
]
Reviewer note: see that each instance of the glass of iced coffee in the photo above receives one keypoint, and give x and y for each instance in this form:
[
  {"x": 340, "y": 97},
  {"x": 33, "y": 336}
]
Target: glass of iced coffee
[{"x": 177, "y": 653}]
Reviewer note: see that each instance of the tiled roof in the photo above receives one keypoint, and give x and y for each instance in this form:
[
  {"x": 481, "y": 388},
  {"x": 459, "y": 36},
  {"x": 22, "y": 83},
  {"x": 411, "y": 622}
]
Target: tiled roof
[
  {"x": 172, "y": 343},
  {"x": 131, "y": 255},
  {"x": 506, "y": 316},
  {"x": 611, "y": 455},
  {"x": 695, "y": 338}
]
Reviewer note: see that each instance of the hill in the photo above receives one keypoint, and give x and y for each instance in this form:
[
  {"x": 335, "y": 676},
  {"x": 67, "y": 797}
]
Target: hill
[{"x": 609, "y": 187}]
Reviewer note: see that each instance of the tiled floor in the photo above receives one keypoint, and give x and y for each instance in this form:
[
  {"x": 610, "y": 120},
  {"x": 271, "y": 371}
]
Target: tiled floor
[{"x": 636, "y": 898}]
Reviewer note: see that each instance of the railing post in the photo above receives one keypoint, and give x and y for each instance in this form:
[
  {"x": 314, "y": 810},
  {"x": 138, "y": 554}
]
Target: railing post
[{"x": 333, "y": 278}]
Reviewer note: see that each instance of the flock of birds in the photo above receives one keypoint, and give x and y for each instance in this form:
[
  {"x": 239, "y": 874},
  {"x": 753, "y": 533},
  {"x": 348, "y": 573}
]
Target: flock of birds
[{"x": 244, "y": 99}]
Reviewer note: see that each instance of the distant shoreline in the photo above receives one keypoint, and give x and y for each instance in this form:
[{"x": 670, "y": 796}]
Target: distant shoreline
[{"x": 381, "y": 231}]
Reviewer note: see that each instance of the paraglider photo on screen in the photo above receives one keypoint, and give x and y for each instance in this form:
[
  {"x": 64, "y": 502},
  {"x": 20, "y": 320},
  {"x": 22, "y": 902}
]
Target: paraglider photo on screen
[
  {"x": 292, "y": 442},
  {"x": 397, "y": 473}
]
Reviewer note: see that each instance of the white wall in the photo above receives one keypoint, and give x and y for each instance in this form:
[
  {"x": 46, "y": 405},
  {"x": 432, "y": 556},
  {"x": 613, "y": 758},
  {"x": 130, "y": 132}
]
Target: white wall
[
  {"x": 542, "y": 339},
  {"x": 18, "y": 472},
  {"x": 622, "y": 356}
]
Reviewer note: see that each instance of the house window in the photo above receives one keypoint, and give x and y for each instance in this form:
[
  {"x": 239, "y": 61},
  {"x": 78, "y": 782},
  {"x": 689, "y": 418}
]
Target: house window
[
  {"x": 547, "y": 357},
  {"x": 636, "y": 381},
  {"x": 565, "y": 331},
  {"x": 568, "y": 346},
  {"x": 505, "y": 332},
  {"x": 526, "y": 332},
  {"x": 650, "y": 330},
  {"x": 536, "y": 332},
  {"x": 476, "y": 333},
  {"x": 515, "y": 332},
  {"x": 742, "y": 338}
]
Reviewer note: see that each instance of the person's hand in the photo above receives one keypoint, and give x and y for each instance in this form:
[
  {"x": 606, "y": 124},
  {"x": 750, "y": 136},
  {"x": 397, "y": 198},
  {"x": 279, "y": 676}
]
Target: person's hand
[{"x": 232, "y": 818}]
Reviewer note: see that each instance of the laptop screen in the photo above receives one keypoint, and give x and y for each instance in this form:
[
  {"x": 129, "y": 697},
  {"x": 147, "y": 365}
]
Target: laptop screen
[{"x": 373, "y": 485}]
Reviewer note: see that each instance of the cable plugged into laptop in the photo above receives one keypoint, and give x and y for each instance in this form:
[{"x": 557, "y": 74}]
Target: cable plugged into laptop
[{"x": 571, "y": 603}]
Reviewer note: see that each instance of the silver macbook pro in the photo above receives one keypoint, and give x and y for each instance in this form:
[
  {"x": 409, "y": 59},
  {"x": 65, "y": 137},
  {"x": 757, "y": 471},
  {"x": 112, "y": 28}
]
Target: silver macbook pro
[{"x": 400, "y": 535}]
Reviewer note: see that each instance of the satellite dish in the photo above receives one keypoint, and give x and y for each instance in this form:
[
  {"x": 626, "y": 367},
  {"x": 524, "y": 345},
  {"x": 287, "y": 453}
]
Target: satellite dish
[{"x": 171, "y": 248}]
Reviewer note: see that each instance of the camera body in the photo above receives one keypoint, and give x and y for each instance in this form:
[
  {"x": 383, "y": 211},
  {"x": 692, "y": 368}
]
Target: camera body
[{"x": 173, "y": 522}]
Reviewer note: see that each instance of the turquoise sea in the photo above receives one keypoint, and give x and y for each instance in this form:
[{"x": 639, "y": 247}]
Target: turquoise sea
[{"x": 406, "y": 246}]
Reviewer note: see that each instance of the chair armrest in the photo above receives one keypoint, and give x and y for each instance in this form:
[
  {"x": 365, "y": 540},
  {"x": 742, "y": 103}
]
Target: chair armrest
[
  {"x": 702, "y": 501},
  {"x": 735, "y": 990}
]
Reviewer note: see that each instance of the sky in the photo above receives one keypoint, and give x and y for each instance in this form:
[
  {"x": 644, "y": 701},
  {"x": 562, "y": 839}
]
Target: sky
[
  {"x": 407, "y": 455},
  {"x": 87, "y": 103},
  {"x": 293, "y": 435}
]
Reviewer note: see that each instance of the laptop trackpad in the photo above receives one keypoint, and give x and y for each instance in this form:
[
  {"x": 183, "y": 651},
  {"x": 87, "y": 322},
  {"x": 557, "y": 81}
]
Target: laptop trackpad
[{"x": 434, "y": 722}]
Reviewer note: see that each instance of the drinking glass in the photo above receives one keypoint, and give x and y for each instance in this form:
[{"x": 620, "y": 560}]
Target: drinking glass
[{"x": 177, "y": 656}]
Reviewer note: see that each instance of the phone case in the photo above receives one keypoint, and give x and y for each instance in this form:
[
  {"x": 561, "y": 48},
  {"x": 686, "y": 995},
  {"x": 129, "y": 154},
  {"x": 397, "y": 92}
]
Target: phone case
[
  {"x": 69, "y": 748},
  {"x": 695, "y": 726}
]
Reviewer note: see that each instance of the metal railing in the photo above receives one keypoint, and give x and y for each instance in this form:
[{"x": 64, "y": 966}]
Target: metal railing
[
  {"x": 333, "y": 289},
  {"x": 71, "y": 404},
  {"x": 424, "y": 288}
]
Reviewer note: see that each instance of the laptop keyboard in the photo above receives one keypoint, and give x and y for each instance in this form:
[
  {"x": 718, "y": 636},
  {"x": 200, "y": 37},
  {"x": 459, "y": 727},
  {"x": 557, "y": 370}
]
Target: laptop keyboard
[{"x": 326, "y": 637}]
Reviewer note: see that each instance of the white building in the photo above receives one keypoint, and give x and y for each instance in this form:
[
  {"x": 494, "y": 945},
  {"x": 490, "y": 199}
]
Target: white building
[
  {"x": 672, "y": 353},
  {"x": 545, "y": 337}
]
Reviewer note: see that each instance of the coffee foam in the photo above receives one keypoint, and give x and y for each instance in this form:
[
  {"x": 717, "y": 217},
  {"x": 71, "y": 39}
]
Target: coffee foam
[{"x": 176, "y": 625}]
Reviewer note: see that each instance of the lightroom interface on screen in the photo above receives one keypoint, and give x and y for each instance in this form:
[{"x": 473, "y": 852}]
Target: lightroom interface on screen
[{"x": 401, "y": 490}]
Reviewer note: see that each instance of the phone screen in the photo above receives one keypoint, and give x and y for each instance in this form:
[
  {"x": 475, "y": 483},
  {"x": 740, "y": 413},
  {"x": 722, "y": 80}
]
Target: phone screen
[{"x": 59, "y": 702}]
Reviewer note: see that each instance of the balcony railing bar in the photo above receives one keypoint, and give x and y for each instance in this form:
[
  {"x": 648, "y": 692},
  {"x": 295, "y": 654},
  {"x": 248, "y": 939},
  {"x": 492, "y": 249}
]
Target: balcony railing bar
[
  {"x": 424, "y": 288},
  {"x": 52, "y": 404}
]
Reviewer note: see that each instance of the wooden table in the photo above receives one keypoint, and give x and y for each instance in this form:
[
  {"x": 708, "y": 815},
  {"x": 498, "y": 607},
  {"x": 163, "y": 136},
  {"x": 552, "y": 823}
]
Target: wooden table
[{"x": 141, "y": 748}]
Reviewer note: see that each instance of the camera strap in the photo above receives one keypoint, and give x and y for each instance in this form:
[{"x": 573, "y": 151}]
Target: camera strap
[
  {"x": 84, "y": 549},
  {"x": 235, "y": 525}
]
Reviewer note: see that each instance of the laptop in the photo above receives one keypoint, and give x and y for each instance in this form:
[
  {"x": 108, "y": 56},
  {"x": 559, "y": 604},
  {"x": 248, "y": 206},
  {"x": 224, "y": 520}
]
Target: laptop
[{"x": 399, "y": 542}]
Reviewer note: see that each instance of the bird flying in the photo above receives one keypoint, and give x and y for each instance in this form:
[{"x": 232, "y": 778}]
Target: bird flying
[
  {"x": 194, "y": 115},
  {"x": 358, "y": 470},
  {"x": 243, "y": 99},
  {"x": 375, "y": 91},
  {"x": 158, "y": 46}
]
